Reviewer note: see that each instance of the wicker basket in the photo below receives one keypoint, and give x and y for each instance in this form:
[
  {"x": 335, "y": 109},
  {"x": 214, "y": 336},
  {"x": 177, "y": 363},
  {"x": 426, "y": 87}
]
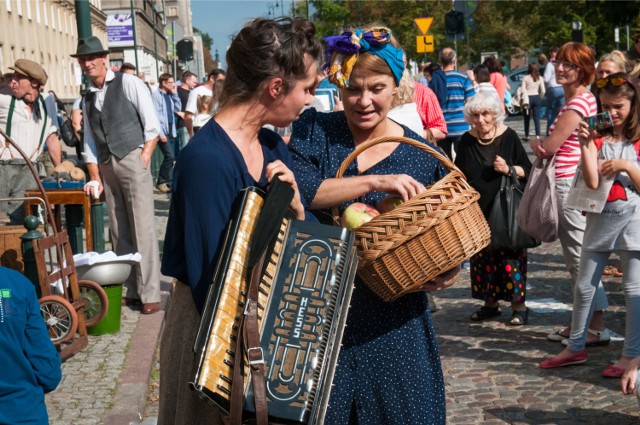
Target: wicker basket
[{"x": 431, "y": 233}]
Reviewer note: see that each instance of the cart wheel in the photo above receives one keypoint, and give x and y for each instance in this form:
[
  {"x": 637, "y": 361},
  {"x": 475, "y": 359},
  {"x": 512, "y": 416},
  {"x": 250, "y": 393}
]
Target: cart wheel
[
  {"x": 95, "y": 301},
  {"x": 60, "y": 317}
]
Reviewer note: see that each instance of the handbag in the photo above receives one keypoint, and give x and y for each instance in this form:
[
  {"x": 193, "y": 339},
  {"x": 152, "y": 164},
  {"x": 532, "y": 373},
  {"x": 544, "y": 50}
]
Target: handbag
[
  {"x": 505, "y": 232},
  {"x": 538, "y": 211},
  {"x": 67, "y": 134}
]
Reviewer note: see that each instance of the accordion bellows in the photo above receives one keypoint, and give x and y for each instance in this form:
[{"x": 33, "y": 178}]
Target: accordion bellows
[{"x": 302, "y": 309}]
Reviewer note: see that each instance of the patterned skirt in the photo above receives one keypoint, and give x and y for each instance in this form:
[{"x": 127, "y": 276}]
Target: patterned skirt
[{"x": 499, "y": 274}]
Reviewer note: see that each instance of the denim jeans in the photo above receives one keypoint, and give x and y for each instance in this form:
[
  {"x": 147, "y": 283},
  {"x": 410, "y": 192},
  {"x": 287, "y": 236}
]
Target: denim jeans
[
  {"x": 555, "y": 100},
  {"x": 166, "y": 168},
  {"x": 534, "y": 110}
]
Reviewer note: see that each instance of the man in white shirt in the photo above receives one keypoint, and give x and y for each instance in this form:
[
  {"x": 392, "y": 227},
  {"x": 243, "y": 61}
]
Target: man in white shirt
[
  {"x": 212, "y": 87},
  {"x": 121, "y": 130},
  {"x": 555, "y": 92},
  {"x": 31, "y": 122}
]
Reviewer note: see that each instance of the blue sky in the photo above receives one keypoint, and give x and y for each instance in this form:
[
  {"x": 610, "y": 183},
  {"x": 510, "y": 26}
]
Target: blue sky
[{"x": 223, "y": 18}]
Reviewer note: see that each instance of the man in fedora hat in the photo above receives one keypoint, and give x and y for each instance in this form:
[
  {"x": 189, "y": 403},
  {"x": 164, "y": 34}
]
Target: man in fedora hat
[
  {"x": 121, "y": 131},
  {"x": 31, "y": 122}
]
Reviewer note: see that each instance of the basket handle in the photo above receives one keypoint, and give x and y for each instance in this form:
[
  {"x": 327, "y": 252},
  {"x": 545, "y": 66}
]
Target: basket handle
[
  {"x": 392, "y": 139},
  {"x": 446, "y": 162}
]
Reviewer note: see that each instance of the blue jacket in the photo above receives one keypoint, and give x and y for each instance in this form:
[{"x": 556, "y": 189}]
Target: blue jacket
[
  {"x": 161, "y": 110},
  {"x": 31, "y": 366}
]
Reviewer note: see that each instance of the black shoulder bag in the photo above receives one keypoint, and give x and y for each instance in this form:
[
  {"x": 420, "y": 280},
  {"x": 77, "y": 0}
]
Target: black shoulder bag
[{"x": 505, "y": 231}]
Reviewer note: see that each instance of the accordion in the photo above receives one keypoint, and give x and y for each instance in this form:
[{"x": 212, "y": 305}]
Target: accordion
[{"x": 303, "y": 300}]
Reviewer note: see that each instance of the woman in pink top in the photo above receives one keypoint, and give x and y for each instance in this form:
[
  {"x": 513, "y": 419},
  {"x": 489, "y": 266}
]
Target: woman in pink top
[
  {"x": 497, "y": 77},
  {"x": 575, "y": 70}
]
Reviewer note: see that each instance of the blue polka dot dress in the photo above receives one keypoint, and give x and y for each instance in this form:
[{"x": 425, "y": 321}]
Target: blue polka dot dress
[{"x": 389, "y": 368}]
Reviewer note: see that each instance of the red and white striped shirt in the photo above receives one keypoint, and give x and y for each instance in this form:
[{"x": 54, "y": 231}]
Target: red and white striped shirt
[
  {"x": 568, "y": 156},
  {"x": 429, "y": 108}
]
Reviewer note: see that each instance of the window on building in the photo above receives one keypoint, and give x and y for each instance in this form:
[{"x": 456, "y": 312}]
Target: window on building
[
  {"x": 8, "y": 3},
  {"x": 44, "y": 13},
  {"x": 59, "y": 21},
  {"x": 37, "y": 5},
  {"x": 28, "y": 4},
  {"x": 53, "y": 17},
  {"x": 64, "y": 72},
  {"x": 19, "y": 8},
  {"x": 66, "y": 22}
]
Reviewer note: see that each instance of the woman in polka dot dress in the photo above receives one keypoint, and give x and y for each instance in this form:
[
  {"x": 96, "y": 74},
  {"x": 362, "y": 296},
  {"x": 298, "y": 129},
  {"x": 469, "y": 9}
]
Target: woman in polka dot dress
[
  {"x": 389, "y": 368},
  {"x": 486, "y": 153}
]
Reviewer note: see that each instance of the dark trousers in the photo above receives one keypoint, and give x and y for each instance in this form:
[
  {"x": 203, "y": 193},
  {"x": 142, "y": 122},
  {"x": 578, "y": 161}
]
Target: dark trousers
[
  {"x": 449, "y": 145},
  {"x": 165, "y": 175},
  {"x": 555, "y": 100},
  {"x": 534, "y": 109}
]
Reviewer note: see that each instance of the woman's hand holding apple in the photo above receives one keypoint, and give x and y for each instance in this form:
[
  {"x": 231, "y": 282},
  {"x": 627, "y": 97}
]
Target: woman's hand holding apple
[{"x": 402, "y": 185}]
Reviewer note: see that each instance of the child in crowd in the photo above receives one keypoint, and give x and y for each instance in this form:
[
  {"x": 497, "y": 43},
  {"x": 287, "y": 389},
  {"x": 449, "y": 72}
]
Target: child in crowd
[
  {"x": 204, "y": 112},
  {"x": 612, "y": 154}
]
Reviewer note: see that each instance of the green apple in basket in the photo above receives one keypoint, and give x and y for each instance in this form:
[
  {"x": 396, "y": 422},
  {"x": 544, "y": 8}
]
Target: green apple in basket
[{"x": 357, "y": 214}]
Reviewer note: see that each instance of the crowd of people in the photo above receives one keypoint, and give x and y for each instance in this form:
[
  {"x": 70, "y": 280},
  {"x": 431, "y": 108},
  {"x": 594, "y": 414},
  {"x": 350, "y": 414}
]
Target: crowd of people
[{"x": 221, "y": 133}]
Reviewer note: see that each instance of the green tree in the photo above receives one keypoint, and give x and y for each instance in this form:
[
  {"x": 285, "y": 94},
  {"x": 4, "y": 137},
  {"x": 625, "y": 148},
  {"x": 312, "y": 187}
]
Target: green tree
[
  {"x": 512, "y": 28},
  {"x": 207, "y": 42}
]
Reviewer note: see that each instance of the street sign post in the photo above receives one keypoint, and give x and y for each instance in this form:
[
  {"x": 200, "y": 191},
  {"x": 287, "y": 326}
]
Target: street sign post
[{"x": 424, "y": 44}]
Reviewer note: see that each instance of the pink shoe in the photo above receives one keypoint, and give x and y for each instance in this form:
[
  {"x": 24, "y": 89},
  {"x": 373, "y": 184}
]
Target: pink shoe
[
  {"x": 612, "y": 371},
  {"x": 553, "y": 362}
]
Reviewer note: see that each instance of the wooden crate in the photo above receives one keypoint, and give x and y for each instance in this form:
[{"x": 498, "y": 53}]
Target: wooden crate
[{"x": 10, "y": 247}]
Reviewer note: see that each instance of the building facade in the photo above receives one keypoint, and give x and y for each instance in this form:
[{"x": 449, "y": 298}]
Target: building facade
[
  {"x": 148, "y": 49},
  {"x": 45, "y": 32}
]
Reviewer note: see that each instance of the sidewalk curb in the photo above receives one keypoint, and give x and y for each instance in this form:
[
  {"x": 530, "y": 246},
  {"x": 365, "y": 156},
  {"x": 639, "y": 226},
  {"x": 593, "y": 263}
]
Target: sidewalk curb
[{"x": 130, "y": 398}]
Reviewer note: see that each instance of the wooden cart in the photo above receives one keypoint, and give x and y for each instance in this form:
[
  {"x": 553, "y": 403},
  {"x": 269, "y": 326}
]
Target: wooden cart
[{"x": 78, "y": 304}]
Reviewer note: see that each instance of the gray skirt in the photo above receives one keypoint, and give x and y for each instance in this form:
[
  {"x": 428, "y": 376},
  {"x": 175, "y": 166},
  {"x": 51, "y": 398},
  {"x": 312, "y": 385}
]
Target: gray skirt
[{"x": 179, "y": 405}]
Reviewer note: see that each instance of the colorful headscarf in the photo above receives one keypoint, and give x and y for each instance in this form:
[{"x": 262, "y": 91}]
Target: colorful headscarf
[{"x": 343, "y": 51}]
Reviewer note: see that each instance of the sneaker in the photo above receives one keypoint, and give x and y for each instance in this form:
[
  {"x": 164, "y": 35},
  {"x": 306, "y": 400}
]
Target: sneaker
[
  {"x": 163, "y": 187},
  {"x": 604, "y": 337}
]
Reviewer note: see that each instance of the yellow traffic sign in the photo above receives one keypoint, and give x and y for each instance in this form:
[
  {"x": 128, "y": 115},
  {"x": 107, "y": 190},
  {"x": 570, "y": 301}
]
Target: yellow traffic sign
[
  {"x": 424, "y": 44},
  {"x": 423, "y": 24}
]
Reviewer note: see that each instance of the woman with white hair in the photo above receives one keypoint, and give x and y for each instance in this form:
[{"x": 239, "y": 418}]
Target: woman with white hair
[{"x": 487, "y": 152}]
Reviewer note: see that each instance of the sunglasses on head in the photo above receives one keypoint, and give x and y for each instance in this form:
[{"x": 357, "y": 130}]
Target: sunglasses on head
[{"x": 615, "y": 82}]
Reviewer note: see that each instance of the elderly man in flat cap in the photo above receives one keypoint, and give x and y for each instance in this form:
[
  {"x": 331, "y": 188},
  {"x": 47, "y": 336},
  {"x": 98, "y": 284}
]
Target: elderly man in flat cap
[
  {"x": 121, "y": 131},
  {"x": 31, "y": 123}
]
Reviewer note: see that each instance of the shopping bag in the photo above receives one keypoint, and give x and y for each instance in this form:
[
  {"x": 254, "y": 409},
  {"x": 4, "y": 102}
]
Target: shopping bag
[{"x": 537, "y": 213}]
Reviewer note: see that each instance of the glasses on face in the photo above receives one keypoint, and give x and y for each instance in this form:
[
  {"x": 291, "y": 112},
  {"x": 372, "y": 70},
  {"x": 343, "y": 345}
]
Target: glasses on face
[
  {"x": 565, "y": 65},
  {"x": 615, "y": 82}
]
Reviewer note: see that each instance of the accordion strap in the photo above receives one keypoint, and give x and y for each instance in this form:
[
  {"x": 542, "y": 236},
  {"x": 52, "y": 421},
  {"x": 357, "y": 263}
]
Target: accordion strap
[{"x": 249, "y": 340}]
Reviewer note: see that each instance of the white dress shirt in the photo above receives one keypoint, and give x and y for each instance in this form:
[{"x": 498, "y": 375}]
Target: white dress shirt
[{"x": 26, "y": 131}]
